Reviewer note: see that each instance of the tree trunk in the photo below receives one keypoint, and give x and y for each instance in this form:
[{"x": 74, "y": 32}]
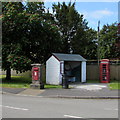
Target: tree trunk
[{"x": 8, "y": 74}]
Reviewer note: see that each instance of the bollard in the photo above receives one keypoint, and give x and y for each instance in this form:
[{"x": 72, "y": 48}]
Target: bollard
[{"x": 65, "y": 81}]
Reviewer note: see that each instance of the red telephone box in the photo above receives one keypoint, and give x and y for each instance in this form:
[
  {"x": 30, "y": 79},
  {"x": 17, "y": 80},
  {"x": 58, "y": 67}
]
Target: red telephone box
[
  {"x": 35, "y": 73},
  {"x": 105, "y": 71}
]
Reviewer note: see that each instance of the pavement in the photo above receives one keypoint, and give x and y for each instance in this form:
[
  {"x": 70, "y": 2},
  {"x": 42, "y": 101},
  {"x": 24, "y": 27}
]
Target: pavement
[{"x": 75, "y": 91}]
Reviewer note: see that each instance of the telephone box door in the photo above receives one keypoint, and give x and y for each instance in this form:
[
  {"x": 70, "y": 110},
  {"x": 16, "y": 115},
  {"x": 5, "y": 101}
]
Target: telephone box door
[{"x": 104, "y": 71}]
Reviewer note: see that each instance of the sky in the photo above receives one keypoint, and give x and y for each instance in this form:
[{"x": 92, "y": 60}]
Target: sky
[{"x": 105, "y": 12}]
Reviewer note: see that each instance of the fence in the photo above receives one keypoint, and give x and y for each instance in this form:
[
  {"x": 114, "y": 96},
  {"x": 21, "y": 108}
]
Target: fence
[{"x": 92, "y": 71}]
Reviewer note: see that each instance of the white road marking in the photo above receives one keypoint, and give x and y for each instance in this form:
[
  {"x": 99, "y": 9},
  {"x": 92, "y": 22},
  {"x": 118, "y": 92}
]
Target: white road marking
[
  {"x": 70, "y": 116},
  {"x": 16, "y": 108}
]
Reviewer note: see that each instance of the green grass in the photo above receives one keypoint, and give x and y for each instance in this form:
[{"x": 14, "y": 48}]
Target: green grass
[
  {"x": 15, "y": 82},
  {"x": 53, "y": 86},
  {"x": 24, "y": 82},
  {"x": 93, "y": 81},
  {"x": 114, "y": 86},
  {"x": 14, "y": 85},
  {"x": 21, "y": 82}
]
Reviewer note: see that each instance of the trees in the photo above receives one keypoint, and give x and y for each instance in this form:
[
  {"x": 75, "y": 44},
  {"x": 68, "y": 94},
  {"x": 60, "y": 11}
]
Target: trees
[
  {"x": 11, "y": 32},
  {"x": 75, "y": 34},
  {"x": 90, "y": 51},
  {"x": 43, "y": 34},
  {"x": 29, "y": 36},
  {"x": 68, "y": 20},
  {"x": 107, "y": 41}
]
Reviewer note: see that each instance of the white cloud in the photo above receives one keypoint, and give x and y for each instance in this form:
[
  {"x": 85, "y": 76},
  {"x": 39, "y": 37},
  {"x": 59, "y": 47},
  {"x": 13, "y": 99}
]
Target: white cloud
[
  {"x": 101, "y": 13},
  {"x": 98, "y": 14},
  {"x": 94, "y": 16}
]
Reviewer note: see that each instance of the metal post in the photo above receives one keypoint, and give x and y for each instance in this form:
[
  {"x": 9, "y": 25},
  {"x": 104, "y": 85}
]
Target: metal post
[
  {"x": 98, "y": 49},
  {"x": 65, "y": 81}
]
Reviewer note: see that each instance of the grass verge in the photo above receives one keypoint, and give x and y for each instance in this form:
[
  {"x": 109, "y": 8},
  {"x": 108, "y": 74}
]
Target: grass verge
[
  {"x": 114, "y": 86},
  {"x": 15, "y": 85},
  {"x": 24, "y": 82},
  {"x": 15, "y": 82},
  {"x": 21, "y": 82},
  {"x": 93, "y": 81},
  {"x": 53, "y": 86}
]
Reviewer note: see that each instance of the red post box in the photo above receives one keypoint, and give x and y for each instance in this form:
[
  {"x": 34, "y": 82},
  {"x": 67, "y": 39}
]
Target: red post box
[
  {"x": 35, "y": 73},
  {"x": 105, "y": 71},
  {"x": 37, "y": 82}
]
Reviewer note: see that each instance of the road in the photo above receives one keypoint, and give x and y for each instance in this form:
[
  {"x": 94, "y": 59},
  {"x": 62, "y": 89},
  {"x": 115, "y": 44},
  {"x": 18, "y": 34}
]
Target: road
[{"x": 16, "y": 106}]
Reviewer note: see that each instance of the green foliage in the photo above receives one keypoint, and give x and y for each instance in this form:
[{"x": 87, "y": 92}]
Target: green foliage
[
  {"x": 90, "y": 50},
  {"x": 108, "y": 38},
  {"x": 13, "y": 30},
  {"x": 42, "y": 35},
  {"x": 75, "y": 34},
  {"x": 35, "y": 7},
  {"x": 29, "y": 35},
  {"x": 69, "y": 22},
  {"x": 19, "y": 63}
]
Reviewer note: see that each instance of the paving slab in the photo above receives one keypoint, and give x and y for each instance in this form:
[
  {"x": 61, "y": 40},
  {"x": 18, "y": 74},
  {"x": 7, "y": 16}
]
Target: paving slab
[
  {"x": 33, "y": 92},
  {"x": 90, "y": 87},
  {"x": 78, "y": 92},
  {"x": 13, "y": 90},
  {"x": 83, "y": 91},
  {"x": 74, "y": 91}
]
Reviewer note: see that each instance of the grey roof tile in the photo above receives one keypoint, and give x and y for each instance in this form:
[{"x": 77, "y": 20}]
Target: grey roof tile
[{"x": 69, "y": 57}]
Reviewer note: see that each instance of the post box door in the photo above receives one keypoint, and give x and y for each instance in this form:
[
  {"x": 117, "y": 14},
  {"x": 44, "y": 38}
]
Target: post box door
[{"x": 35, "y": 73}]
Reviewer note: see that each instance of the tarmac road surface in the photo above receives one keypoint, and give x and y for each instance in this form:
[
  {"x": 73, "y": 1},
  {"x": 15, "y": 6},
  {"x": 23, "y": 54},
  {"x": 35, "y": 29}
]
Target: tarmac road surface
[{"x": 17, "y": 106}]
